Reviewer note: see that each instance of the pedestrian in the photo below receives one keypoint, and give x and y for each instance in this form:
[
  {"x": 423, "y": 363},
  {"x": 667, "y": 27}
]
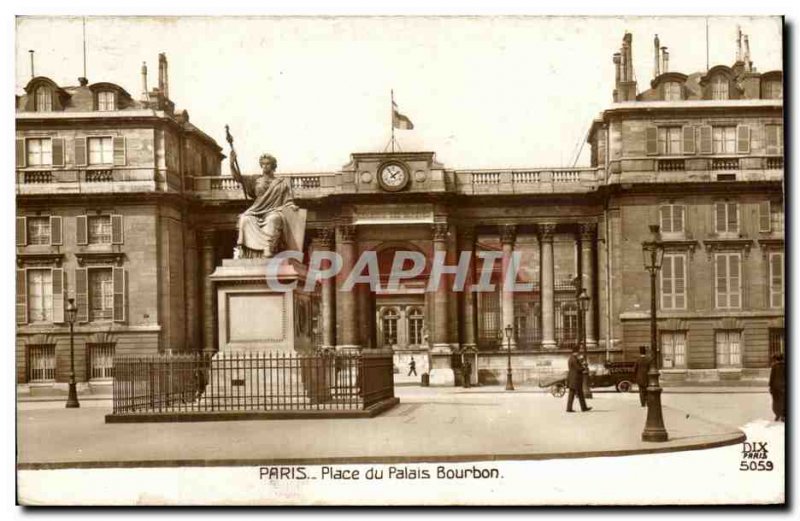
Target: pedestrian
[
  {"x": 575, "y": 382},
  {"x": 640, "y": 369},
  {"x": 777, "y": 387},
  {"x": 412, "y": 367}
]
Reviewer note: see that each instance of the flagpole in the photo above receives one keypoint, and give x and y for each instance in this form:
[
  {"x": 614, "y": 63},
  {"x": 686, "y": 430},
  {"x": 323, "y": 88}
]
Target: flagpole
[{"x": 391, "y": 119}]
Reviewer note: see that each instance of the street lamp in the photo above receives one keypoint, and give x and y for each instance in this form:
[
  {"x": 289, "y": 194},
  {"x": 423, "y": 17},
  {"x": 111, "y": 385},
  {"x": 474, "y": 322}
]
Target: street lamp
[
  {"x": 583, "y": 306},
  {"x": 71, "y": 312},
  {"x": 509, "y": 380},
  {"x": 653, "y": 253}
]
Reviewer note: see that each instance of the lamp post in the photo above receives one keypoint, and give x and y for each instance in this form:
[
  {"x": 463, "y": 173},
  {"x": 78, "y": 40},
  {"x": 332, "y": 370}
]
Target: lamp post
[
  {"x": 653, "y": 253},
  {"x": 583, "y": 306},
  {"x": 509, "y": 380},
  {"x": 71, "y": 312}
]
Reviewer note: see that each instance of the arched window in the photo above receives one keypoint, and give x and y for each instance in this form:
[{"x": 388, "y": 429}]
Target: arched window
[
  {"x": 43, "y": 100},
  {"x": 719, "y": 88},
  {"x": 389, "y": 325},
  {"x": 672, "y": 91},
  {"x": 416, "y": 321},
  {"x": 106, "y": 100}
]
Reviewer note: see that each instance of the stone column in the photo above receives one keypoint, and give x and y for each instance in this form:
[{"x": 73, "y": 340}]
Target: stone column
[
  {"x": 546, "y": 232},
  {"x": 441, "y": 372},
  {"x": 325, "y": 241},
  {"x": 508, "y": 235},
  {"x": 588, "y": 238},
  {"x": 347, "y": 336},
  {"x": 467, "y": 300},
  {"x": 207, "y": 244}
]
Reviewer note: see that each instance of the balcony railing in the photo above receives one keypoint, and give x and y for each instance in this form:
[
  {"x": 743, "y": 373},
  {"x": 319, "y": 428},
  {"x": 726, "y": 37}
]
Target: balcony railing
[
  {"x": 773, "y": 163},
  {"x": 99, "y": 176},
  {"x": 567, "y": 176},
  {"x": 526, "y": 177},
  {"x": 305, "y": 182},
  {"x": 726, "y": 163},
  {"x": 671, "y": 165},
  {"x": 486, "y": 178},
  {"x": 38, "y": 177}
]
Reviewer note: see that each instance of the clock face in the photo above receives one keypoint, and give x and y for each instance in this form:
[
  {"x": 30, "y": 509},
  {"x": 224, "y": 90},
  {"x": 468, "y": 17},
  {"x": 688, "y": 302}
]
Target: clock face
[{"x": 393, "y": 176}]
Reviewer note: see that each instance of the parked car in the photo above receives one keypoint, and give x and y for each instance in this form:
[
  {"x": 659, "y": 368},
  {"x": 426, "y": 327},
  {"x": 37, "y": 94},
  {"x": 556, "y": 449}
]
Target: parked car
[{"x": 618, "y": 374}]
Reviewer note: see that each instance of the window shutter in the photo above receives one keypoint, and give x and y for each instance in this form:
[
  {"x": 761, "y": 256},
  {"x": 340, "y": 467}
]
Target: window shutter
[
  {"x": 679, "y": 275},
  {"x": 722, "y": 281},
  {"x": 776, "y": 280},
  {"x": 81, "y": 231},
  {"x": 733, "y": 217},
  {"x": 22, "y": 297},
  {"x": 705, "y": 140},
  {"x": 677, "y": 218},
  {"x": 119, "y": 151},
  {"x": 688, "y": 140},
  {"x": 763, "y": 216},
  {"x": 57, "y": 145},
  {"x": 666, "y": 283},
  {"x": 734, "y": 271},
  {"x": 116, "y": 229},
  {"x": 771, "y": 132},
  {"x": 55, "y": 230},
  {"x": 21, "y": 159},
  {"x": 721, "y": 218},
  {"x": 82, "y": 294},
  {"x": 22, "y": 231},
  {"x": 743, "y": 139},
  {"x": 651, "y": 141},
  {"x": 120, "y": 290},
  {"x": 57, "y": 277},
  {"x": 80, "y": 151},
  {"x": 735, "y": 340},
  {"x": 666, "y": 222}
]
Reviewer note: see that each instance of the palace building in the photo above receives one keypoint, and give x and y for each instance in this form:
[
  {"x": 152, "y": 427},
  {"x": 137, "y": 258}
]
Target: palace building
[{"x": 121, "y": 204}]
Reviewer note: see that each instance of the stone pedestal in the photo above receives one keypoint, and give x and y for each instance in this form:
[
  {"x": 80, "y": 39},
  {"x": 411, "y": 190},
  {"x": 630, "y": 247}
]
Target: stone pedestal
[{"x": 441, "y": 373}]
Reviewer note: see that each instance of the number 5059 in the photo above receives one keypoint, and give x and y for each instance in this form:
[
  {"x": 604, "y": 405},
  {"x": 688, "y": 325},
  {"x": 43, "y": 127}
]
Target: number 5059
[{"x": 756, "y": 465}]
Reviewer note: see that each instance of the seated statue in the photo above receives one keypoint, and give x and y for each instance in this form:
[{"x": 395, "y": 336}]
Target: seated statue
[{"x": 262, "y": 226}]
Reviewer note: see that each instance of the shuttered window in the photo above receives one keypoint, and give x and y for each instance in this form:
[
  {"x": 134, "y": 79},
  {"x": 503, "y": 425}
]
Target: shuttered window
[
  {"x": 651, "y": 141},
  {"x": 774, "y": 139},
  {"x": 728, "y": 280},
  {"x": 673, "y": 281},
  {"x": 673, "y": 349},
  {"x": 82, "y": 294},
  {"x": 38, "y": 230},
  {"x": 728, "y": 348},
  {"x": 40, "y": 295},
  {"x": 672, "y": 218},
  {"x": 726, "y": 217},
  {"x": 22, "y": 297},
  {"x": 101, "y": 294},
  {"x": 776, "y": 279},
  {"x": 40, "y": 152},
  {"x": 99, "y": 229}
]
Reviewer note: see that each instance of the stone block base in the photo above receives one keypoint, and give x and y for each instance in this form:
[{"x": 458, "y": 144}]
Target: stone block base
[{"x": 443, "y": 377}]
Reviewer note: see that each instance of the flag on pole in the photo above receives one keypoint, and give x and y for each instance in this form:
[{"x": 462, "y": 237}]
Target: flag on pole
[{"x": 399, "y": 120}]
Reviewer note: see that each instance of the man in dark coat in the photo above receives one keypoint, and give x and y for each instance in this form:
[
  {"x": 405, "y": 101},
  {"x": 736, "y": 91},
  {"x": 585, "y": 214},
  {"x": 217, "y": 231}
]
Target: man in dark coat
[
  {"x": 575, "y": 382},
  {"x": 777, "y": 387},
  {"x": 640, "y": 370}
]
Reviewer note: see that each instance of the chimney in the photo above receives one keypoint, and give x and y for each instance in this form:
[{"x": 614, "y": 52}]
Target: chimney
[
  {"x": 83, "y": 81},
  {"x": 32, "y": 73},
  {"x": 616, "y": 76},
  {"x": 625, "y": 85},
  {"x": 747, "y": 63},
  {"x": 657, "y": 61},
  {"x": 144, "y": 81},
  {"x": 664, "y": 60},
  {"x": 627, "y": 48},
  {"x": 163, "y": 80},
  {"x": 738, "y": 43}
]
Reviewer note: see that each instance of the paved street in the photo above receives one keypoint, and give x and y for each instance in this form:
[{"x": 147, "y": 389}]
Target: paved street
[{"x": 429, "y": 424}]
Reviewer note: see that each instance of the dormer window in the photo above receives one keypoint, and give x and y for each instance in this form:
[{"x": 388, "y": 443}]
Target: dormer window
[
  {"x": 672, "y": 91},
  {"x": 772, "y": 89},
  {"x": 106, "y": 100},
  {"x": 43, "y": 100},
  {"x": 719, "y": 88}
]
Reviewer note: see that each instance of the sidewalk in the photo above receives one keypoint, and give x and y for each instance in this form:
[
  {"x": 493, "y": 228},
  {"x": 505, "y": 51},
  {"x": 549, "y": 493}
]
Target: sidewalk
[{"x": 429, "y": 425}]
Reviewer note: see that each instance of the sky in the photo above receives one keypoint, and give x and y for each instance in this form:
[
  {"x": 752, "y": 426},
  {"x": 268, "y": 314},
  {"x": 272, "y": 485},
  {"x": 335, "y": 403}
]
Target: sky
[{"x": 482, "y": 91}]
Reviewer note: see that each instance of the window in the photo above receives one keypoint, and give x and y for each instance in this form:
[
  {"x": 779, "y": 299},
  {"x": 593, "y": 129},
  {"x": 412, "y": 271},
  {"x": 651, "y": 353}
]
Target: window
[
  {"x": 41, "y": 362},
  {"x": 672, "y": 218},
  {"x": 99, "y": 229},
  {"x": 40, "y": 152},
  {"x": 569, "y": 318},
  {"x": 770, "y": 216},
  {"x": 729, "y": 280},
  {"x": 101, "y": 150},
  {"x": 40, "y": 295},
  {"x": 101, "y": 294},
  {"x": 777, "y": 342},
  {"x": 773, "y": 89},
  {"x": 673, "y": 281},
  {"x": 38, "y": 230},
  {"x": 724, "y": 140},
  {"x": 776, "y": 279},
  {"x": 106, "y": 100},
  {"x": 415, "y": 325},
  {"x": 669, "y": 140},
  {"x": 728, "y": 348},
  {"x": 389, "y": 323},
  {"x": 101, "y": 360},
  {"x": 43, "y": 100},
  {"x": 774, "y": 139},
  {"x": 727, "y": 217},
  {"x": 673, "y": 349},
  {"x": 672, "y": 91},
  {"x": 719, "y": 88}
]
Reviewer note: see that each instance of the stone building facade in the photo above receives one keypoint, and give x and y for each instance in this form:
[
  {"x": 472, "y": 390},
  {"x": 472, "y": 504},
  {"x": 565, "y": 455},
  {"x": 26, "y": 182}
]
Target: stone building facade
[{"x": 700, "y": 154}]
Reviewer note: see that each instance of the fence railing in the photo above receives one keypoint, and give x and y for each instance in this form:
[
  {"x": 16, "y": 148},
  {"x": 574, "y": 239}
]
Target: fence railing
[{"x": 179, "y": 383}]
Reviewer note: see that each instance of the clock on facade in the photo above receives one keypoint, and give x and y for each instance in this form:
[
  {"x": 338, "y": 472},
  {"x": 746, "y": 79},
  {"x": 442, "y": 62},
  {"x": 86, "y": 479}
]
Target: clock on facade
[{"x": 393, "y": 176}]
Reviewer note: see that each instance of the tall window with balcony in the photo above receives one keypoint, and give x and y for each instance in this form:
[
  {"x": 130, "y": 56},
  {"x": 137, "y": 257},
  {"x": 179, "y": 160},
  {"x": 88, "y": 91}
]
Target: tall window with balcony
[
  {"x": 40, "y": 295},
  {"x": 43, "y": 100},
  {"x": 719, "y": 88},
  {"x": 724, "y": 139},
  {"x": 728, "y": 348},
  {"x": 673, "y": 281},
  {"x": 726, "y": 218},
  {"x": 776, "y": 279},
  {"x": 106, "y": 101},
  {"x": 101, "y": 294},
  {"x": 669, "y": 140},
  {"x": 99, "y": 227},
  {"x": 40, "y": 152},
  {"x": 673, "y": 349},
  {"x": 728, "y": 280}
]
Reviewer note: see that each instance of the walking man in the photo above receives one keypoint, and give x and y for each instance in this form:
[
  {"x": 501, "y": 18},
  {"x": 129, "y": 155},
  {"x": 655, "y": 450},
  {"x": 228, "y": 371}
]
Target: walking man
[
  {"x": 412, "y": 367},
  {"x": 575, "y": 382},
  {"x": 777, "y": 387},
  {"x": 640, "y": 369}
]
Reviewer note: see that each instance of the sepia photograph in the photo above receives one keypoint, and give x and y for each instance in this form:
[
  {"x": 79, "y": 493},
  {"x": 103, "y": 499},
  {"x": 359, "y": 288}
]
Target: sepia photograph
[{"x": 286, "y": 260}]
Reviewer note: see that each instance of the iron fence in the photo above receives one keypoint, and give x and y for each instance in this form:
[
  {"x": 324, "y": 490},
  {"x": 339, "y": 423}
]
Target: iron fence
[{"x": 176, "y": 383}]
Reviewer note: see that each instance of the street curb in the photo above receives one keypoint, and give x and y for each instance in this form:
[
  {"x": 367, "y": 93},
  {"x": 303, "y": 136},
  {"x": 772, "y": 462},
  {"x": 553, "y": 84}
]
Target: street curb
[{"x": 720, "y": 440}]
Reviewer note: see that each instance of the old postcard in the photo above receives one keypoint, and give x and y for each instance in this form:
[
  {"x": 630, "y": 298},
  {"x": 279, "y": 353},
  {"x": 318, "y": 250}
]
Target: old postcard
[{"x": 399, "y": 260}]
